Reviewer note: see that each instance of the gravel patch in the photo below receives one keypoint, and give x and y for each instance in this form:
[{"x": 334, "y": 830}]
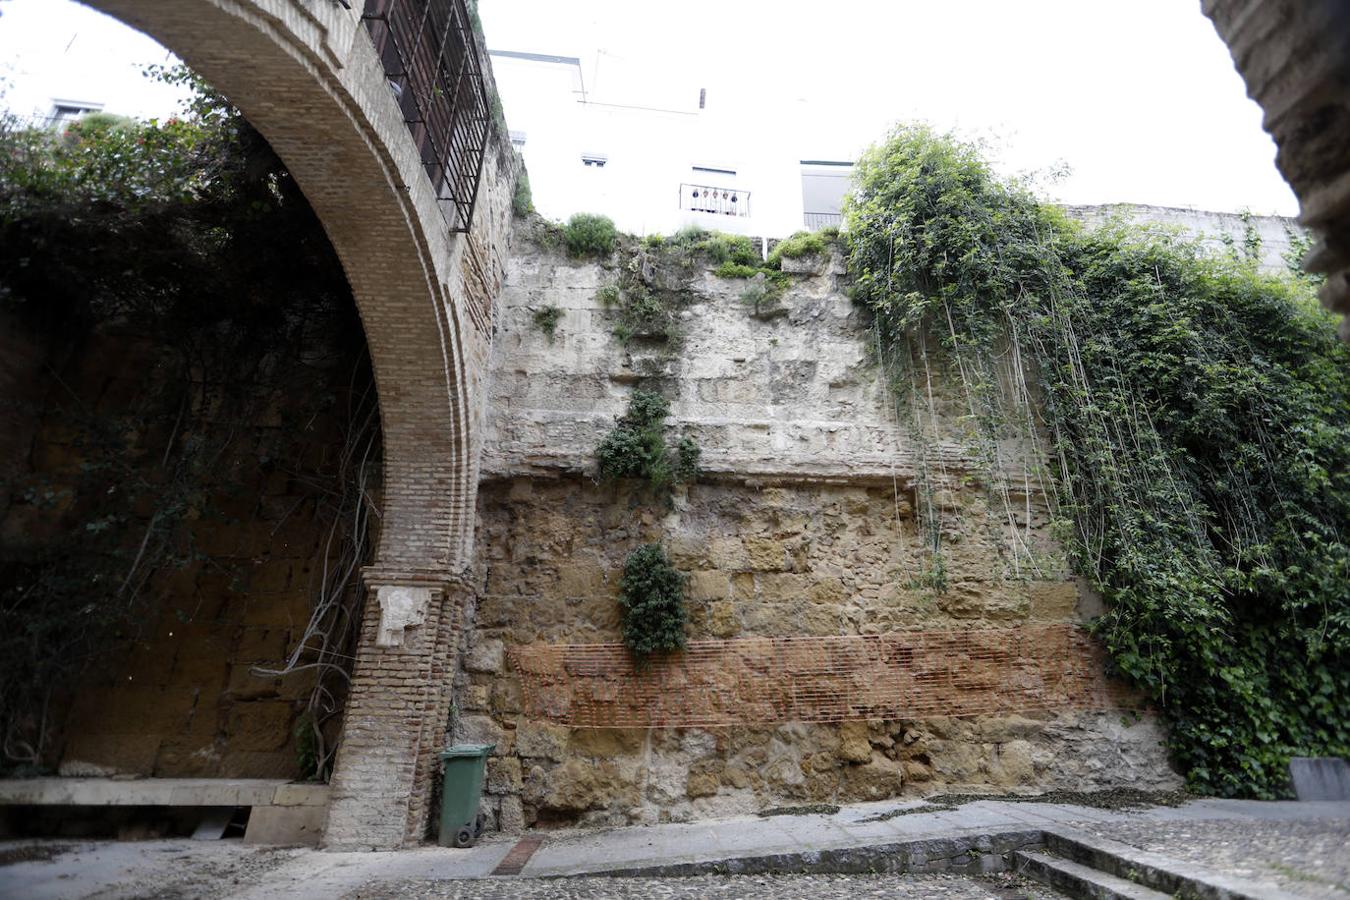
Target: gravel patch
[
  {"x": 734, "y": 887},
  {"x": 1310, "y": 858}
]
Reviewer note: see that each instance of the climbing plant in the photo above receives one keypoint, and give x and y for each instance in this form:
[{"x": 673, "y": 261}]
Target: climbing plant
[{"x": 1195, "y": 415}]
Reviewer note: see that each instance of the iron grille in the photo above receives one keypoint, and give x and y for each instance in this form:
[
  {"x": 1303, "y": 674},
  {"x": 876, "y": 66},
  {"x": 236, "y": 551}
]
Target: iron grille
[{"x": 431, "y": 60}]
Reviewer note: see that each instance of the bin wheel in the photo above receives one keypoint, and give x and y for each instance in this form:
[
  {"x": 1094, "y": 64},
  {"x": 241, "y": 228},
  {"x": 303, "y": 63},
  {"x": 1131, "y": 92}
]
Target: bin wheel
[
  {"x": 464, "y": 837},
  {"x": 479, "y": 824}
]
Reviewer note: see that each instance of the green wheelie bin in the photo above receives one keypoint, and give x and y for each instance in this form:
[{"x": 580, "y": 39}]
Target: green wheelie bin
[{"x": 461, "y": 787}]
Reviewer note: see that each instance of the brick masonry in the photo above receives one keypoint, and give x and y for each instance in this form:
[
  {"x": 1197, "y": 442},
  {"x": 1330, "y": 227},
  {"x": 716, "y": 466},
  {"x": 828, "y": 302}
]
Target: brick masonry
[{"x": 307, "y": 77}]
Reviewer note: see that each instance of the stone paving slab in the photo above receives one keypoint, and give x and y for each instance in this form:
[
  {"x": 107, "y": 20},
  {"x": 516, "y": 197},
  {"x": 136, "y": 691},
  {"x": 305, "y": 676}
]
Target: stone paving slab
[{"x": 227, "y": 869}]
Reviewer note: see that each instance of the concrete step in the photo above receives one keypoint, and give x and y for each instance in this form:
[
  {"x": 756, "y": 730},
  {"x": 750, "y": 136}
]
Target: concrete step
[
  {"x": 1172, "y": 877},
  {"x": 1077, "y": 880}
]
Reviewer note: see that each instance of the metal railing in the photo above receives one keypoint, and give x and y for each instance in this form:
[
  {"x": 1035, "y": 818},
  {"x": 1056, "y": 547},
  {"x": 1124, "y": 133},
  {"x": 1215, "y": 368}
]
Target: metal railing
[
  {"x": 720, "y": 201},
  {"x": 431, "y": 60},
  {"x": 816, "y": 220}
]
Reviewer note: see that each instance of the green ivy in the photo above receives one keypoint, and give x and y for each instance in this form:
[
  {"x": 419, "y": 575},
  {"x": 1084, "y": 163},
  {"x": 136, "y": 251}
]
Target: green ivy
[
  {"x": 651, "y": 595},
  {"x": 1197, "y": 420}
]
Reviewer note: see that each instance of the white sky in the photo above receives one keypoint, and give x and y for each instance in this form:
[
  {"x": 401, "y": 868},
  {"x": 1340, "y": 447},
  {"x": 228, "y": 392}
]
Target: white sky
[{"x": 1139, "y": 99}]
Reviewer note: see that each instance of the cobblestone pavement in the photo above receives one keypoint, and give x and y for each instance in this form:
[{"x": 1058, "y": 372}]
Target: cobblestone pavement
[
  {"x": 1310, "y": 858},
  {"x": 733, "y": 887}
]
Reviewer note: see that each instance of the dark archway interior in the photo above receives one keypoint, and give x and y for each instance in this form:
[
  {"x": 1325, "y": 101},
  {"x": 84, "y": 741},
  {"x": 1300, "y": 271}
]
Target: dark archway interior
[{"x": 191, "y": 453}]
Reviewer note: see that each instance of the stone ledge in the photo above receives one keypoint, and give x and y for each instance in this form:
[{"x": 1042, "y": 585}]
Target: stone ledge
[{"x": 160, "y": 792}]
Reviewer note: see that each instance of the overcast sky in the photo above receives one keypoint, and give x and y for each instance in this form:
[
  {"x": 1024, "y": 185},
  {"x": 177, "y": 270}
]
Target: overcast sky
[{"x": 1138, "y": 99}]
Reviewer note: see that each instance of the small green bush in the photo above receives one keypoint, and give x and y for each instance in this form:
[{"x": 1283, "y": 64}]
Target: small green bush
[
  {"x": 735, "y": 270},
  {"x": 589, "y": 234},
  {"x": 546, "y": 320},
  {"x": 636, "y": 446},
  {"x": 717, "y": 246},
  {"x": 763, "y": 293},
  {"x": 803, "y": 243},
  {"x": 651, "y": 594},
  {"x": 687, "y": 456}
]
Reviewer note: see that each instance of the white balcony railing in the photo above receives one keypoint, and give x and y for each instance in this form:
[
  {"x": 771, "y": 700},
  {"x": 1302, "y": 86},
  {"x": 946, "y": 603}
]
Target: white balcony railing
[{"x": 720, "y": 201}]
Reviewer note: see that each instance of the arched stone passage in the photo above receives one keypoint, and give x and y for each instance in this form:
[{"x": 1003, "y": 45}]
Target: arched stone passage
[
  {"x": 1295, "y": 58},
  {"x": 306, "y": 75}
]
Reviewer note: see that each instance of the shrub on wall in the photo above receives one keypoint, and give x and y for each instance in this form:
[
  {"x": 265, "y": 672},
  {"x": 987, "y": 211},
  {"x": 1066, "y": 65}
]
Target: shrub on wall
[
  {"x": 1198, "y": 419},
  {"x": 636, "y": 447},
  {"x": 588, "y": 234},
  {"x": 652, "y": 597}
]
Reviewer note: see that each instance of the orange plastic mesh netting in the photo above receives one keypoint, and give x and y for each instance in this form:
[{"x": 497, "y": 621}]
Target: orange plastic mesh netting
[{"x": 902, "y": 675}]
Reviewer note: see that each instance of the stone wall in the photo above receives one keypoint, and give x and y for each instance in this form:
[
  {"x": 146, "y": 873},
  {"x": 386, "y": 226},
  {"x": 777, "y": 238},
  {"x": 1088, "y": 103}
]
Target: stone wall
[
  {"x": 1219, "y": 232},
  {"x": 802, "y": 524}
]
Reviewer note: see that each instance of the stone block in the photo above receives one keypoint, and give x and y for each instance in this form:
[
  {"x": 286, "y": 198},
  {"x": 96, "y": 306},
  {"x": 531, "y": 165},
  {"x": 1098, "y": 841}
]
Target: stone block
[
  {"x": 286, "y": 825},
  {"x": 701, "y": 785},
  {"x": 300, "y": 795},
  {"x": 853, "y": 743},
  {"x": 541, "y": 740},
  {"x": 608, "y": 742},
  {"x": 709, "y": 585},
  {"x": 487, "y": 655},
  {"x": 503, "y": 776},
  {"x": 1320, "y": 778},
  {"x": 1055, "y": 600},
  {"x": 767, "y": 554},
  {"x": 511, "y": 816}
]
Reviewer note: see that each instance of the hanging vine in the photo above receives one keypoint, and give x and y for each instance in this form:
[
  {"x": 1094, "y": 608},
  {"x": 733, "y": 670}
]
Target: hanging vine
[{"x": 1196, "y": 416}]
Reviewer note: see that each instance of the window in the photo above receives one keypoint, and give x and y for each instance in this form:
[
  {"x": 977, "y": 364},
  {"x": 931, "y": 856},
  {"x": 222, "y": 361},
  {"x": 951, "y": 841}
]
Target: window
[{"x": 66, "y": 111}]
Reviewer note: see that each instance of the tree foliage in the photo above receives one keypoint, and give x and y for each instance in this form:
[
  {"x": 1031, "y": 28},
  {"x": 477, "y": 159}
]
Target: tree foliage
[{"x": 1197, "y": 414}]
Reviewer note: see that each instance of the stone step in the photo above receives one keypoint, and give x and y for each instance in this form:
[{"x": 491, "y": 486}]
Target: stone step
[
  {"x": 1077, "y": 880},
  {"x": 1153, "y": 870}
]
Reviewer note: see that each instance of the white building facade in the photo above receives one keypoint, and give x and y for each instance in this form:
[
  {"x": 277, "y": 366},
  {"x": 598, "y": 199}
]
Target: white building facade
[{"x": 658, "y": 165}]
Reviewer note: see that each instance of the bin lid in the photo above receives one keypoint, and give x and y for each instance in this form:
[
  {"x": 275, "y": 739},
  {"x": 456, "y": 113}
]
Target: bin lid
[{"x": 467, "y": 750}]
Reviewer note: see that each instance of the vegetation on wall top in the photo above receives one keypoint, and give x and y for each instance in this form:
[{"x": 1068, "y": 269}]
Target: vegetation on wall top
[
  {"x": 1196, "y": 416},
  {"x": 589, "y": 234}
]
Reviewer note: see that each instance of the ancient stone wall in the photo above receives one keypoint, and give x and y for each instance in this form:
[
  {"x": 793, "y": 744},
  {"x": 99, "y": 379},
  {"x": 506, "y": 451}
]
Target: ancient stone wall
[{"x": 802, "y": 524}]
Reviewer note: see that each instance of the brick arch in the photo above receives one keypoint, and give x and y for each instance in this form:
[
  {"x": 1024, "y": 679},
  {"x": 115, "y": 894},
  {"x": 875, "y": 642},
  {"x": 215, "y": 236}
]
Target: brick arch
[{"x": 306, "y": 75}]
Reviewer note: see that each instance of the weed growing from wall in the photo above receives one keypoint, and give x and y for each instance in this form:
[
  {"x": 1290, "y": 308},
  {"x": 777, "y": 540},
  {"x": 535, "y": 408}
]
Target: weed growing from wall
[
  {"x": 546, "y": 319},
  {"x": 651, "y": 594},
  {"x": 522, "y": 199},
  {"x": 1196, "y": 420}
]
